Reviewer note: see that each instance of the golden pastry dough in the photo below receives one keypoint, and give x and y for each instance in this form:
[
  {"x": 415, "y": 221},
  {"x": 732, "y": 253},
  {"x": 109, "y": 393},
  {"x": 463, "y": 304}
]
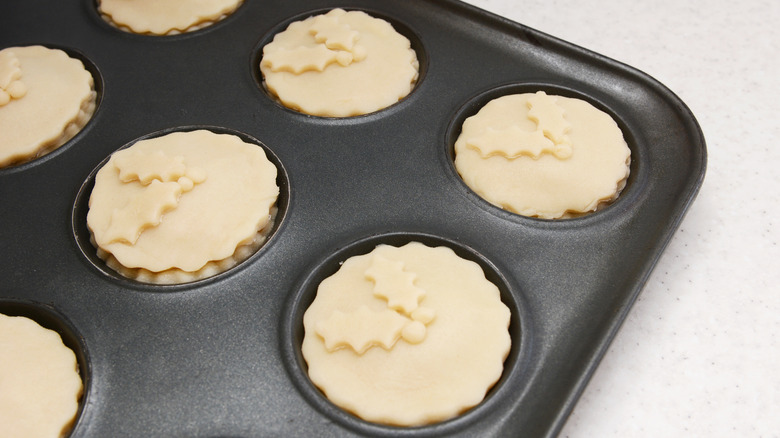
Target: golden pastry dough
[
  {"x": 46, "y": 97},
  {"x": 40, "y": 386},
  {"x": 339, "y": 64},
  {"x": 544, "y": 156},
  {"x": 406, "y": 336},
  {"x": 165, "y": 17},
  {"x": 182, "y": 206}
]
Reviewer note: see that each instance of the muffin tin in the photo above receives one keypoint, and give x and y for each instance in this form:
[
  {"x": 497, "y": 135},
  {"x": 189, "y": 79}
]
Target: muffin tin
[{"x": 221, "y": 356}]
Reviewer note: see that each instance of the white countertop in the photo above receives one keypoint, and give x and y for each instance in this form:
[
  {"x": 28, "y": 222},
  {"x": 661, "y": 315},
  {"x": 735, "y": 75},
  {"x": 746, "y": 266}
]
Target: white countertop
[{"x": 699, "y": 354}]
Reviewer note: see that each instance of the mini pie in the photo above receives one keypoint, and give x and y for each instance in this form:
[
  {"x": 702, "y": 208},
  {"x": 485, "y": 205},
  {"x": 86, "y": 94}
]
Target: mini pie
[
  {"x": 406, "y": 336},
  {"x": 165, "y": 17},
  {"x": 183, "y": 206},
  {"x": 339, "y": 64},
  {"x": 40, "y": 385},
  {"x": 543, "y": 156},
  {"x": 46, "y": 97}
]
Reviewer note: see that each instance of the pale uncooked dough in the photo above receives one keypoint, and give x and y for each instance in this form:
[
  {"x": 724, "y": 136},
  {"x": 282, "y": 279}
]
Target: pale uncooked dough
[
  {"x": 40, "y": 385},
  {"x": 182, "y": 206},
  {"x": 407, "y": 335},
  {"x": 165, "y": 17},
  {"x": 542, "y": 155},
  {"x": 339, "y": 64},
  {"x": 46, "y": 97}
]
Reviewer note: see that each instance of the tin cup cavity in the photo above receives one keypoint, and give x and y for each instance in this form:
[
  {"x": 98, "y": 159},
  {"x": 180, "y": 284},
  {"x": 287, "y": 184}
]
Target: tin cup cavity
[
  {"x": 475, "y": 103},
  {"x": 51, "y": 152},
  {"x": 83, "y": 236},
  {"x": 398, "y": 25},
  {"x": 48, "y": 317},
  {"x": 105, "y": 21},
  {"x": 497, "y": 397}
]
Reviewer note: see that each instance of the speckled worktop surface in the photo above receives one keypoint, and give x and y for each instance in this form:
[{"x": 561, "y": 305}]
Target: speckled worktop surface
[{"x": 699, "y": 353}]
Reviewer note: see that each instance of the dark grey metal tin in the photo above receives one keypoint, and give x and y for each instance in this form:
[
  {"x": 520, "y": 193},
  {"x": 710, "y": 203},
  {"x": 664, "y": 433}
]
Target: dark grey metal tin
[{"x": 221, "y": 357}]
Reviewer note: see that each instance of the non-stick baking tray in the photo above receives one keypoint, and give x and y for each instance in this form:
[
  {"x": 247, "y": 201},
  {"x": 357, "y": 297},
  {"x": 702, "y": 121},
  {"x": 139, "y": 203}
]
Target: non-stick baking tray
[{"x": 221, "y": 357}]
